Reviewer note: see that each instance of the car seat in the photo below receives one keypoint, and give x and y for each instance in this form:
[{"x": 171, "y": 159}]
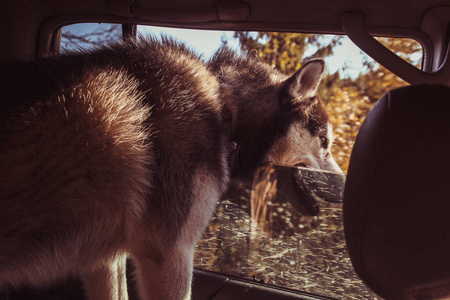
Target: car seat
[{"x": 397, "y": 195}]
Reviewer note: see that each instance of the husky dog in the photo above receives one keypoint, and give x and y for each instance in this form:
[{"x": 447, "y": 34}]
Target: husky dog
[
  {"x": 123, "y": 152},
  {"x": 116, "y": 152},
  {"x": 274, "y": 118}
]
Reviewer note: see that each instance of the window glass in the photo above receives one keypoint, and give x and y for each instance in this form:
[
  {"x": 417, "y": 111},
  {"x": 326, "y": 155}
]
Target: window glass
[{"x": 264, "y": 238}]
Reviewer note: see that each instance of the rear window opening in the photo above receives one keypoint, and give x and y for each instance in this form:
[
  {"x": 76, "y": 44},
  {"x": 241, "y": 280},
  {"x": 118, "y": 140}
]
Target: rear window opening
[{"x": 268, "y": 239}]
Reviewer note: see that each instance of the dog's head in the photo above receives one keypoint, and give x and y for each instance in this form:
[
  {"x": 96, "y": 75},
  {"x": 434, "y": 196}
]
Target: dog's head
[
  {"x": 308, "y": 137},
  {"x": 275, "y": 118}
]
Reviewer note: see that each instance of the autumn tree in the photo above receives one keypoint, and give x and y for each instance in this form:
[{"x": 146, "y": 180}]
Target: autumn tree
[
  {"x": 377, "y": 80},
  {"x": 286, "y": 51}
]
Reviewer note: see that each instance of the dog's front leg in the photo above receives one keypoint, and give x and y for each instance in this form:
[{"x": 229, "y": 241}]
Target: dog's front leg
[
  {"x": 167, "y": 276},
  {"x": 109, "y": 281}
]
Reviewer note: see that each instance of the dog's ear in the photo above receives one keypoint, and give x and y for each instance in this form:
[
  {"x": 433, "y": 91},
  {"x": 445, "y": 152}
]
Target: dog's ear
[{"x": 303, "y": 83}]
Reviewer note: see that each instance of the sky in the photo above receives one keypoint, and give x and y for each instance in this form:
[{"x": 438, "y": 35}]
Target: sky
[
  {"x": 204, "y": 41},
  {"x": 207, "y": 41}
]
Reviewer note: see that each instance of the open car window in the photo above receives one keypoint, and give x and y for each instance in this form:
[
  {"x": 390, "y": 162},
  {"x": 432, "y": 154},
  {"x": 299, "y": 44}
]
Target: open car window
[{"x": 295, "y": 239}]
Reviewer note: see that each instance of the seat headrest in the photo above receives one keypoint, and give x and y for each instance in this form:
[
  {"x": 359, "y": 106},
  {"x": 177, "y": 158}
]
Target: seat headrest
[{"x": 397, "y": 195}]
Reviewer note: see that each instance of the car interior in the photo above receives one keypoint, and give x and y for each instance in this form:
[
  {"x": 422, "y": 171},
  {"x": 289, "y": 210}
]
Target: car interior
[{"x": 396, "y": 199}]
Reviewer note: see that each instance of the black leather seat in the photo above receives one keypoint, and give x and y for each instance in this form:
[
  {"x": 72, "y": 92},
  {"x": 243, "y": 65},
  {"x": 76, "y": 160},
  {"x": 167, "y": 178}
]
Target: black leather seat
[{"x": 397, "y": 195}]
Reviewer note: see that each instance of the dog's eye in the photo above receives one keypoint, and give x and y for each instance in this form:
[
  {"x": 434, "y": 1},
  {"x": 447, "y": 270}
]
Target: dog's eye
[{"x": 324, "y": 142}]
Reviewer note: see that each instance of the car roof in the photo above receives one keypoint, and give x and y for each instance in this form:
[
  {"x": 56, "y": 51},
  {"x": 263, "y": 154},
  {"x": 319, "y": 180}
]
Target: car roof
[
  {"x": 425, "y": 21},
  {"x": 315, "y": 15}
]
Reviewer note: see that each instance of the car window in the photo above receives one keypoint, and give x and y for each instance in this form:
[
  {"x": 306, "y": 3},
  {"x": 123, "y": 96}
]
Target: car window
[{"x": 255, "y": 233}]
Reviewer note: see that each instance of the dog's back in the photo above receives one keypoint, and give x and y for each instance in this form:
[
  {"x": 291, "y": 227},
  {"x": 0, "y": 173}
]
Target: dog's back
[
  {"x": 69, "y": 166},
  {"x": 119, "y": 150}
]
